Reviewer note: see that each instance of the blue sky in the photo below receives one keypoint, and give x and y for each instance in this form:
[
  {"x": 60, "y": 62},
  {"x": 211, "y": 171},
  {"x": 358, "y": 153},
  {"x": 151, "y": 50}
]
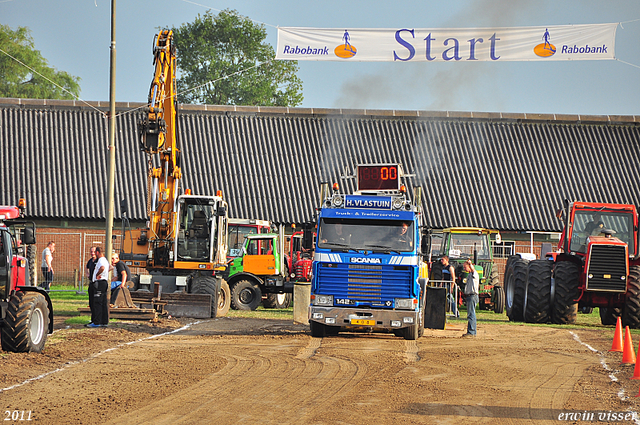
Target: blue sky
[{"x": 74, "y": 36}]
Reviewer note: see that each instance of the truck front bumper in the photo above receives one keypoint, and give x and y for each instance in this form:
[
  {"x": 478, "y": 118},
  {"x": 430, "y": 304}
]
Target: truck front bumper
[{"x": 363, "y": 317}]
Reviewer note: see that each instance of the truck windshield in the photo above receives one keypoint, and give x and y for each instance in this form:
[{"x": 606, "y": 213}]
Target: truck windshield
[
  {"x": 367, "y": 235},
  {"x": 237, "y": 234},
  {"x": 462, "y": 245},
  {"x": 593, "y": 223}
]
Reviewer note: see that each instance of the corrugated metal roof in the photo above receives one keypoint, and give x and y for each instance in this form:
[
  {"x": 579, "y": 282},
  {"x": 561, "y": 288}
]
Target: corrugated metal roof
[{"x": 503, "y": 171}]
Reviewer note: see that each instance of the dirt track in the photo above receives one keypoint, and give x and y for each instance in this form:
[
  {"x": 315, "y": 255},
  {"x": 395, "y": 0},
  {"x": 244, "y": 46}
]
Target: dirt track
[{"x": 232, "y": 370}]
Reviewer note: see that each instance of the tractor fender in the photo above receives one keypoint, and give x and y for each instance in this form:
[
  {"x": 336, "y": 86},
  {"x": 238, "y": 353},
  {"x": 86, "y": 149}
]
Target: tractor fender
[
  {"x": 245, "y": 276},
  {"x": 46, "y": 297}
]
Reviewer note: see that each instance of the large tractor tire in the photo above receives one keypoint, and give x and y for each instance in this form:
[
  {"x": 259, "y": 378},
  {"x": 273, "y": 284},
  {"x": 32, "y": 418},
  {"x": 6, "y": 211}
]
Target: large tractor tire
[
  {"x": 515, "y": 280},
  {"x": 609, "y": 316},
  {"x": 631, "y": 314},
  {"x": 280, "y": 301},
  {"x": 33, "y": 270},
  {"x": 565, "y": 307},
  {"x": 245, "y": 295},
  {"x": 537, "y": 308},
  {"x": 224, "y": 299},
  {"x": 207, "y": 285},
  {"x": 498, "y": 299},
  {"x": 26, "y": 323}
]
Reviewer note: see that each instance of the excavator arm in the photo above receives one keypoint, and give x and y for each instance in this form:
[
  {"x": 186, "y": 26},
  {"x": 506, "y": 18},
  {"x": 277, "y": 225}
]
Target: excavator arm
[{"x": 159, "y": 138}]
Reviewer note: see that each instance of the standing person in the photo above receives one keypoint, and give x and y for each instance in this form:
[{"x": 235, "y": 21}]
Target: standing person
[
  {"x": 101, "y": 287},
  {"x": 121, "y": 275},
  {"x": 449, "y": 276},
  {"x": 47, "y": 268},
  {"x": 471, "y": 295},
  {"x": 91, "y": 265}
]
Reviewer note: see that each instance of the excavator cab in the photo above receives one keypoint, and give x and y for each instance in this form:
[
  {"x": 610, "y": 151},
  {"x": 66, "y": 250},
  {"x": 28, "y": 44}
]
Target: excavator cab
[{"x": 202, "y": 230}]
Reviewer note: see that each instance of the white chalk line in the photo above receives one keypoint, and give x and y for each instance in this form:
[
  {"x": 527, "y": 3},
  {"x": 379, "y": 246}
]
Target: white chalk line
[
  {"x": 93, "y": 356},
  {"x": 612, "y": 375}
]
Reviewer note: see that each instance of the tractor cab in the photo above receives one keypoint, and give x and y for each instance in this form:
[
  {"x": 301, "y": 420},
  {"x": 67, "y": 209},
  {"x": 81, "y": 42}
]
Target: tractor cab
[{"x": 260, "y": 255}]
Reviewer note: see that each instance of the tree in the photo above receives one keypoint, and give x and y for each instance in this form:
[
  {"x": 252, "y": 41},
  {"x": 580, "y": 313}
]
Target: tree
[
  {"x": 16, "y": 80},
  {"x": 216, "y": 46}
]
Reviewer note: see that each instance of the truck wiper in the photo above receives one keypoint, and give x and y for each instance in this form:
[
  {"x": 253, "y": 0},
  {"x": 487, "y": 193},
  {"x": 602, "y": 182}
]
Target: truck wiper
[{"x": 387, "y": 249}]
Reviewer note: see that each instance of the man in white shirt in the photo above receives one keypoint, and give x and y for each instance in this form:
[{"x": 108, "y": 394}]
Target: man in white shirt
[{"x": 100, "y": 288}]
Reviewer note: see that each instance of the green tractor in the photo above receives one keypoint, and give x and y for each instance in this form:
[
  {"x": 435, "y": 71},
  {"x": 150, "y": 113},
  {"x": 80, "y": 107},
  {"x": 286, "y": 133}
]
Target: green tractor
[
  {"x": 261, "y": 269},
  {"x": 463, "y": 243}
]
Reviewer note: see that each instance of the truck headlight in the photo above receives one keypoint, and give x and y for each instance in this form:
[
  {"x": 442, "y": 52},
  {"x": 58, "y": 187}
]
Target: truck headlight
[
  {"x": 406, "y": 303},
  {"x": 323, "y": 300}
]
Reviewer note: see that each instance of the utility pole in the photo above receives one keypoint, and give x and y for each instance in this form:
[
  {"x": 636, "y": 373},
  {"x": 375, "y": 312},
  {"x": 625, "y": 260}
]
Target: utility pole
[{"x": 111, "y": 180}]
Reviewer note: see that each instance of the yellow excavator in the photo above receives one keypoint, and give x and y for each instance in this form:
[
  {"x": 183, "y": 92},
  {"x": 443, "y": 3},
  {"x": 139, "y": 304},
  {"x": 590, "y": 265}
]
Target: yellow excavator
[{"x": 184, "y": 245}]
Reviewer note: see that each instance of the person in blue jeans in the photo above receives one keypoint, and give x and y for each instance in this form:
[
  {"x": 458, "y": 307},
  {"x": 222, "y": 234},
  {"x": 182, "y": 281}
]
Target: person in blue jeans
[{"x": 471, "y": 295}]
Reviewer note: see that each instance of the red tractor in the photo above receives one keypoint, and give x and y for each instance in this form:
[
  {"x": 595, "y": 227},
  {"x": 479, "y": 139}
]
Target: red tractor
[
  {"x": 597, "y": 264},
  {"x": 27, "y": 314}
]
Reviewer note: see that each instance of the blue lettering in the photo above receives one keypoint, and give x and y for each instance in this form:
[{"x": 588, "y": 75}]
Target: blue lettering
[
  {"x": 493, "y": 47},
  {"x": 406, "y": 44},
  {"x": 455, "y": 48},
  {"x": 429, "y": 39},
  {"x": 472, "y": 48}
]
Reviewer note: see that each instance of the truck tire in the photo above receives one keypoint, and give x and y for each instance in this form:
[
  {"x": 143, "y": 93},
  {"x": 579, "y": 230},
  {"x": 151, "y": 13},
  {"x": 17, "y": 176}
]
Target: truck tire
[
  {"x": 33, "y": 271},
  {"x": 631, "y": 314},
  {"x": 411, "y": 333},
  {"x": 277, "y": 301},
  {"x": 207, "y": 285},
  {"x": 26, "y": 323},
  {"x": 515, "y": 280},
  {"x": 565, "y": 307},
  {"x": 318, "y": 330},
  {"x": 224, "y": 299},
  {"x": 609, "y": 316},
  {"x": 498, "y": 300},
  {"x": 537, "y": 308},
  {"x": 245, "y": 296}
]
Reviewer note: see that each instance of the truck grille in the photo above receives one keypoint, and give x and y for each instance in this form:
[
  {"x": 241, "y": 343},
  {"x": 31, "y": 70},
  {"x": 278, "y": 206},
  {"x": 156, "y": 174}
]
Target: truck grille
[
  {"x": 364, "y": 282},
  {"x": 607, "y": 268}
]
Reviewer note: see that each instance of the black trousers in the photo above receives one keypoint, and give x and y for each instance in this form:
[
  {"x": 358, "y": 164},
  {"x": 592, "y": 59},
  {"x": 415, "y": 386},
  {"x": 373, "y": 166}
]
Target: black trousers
[
  {"x": 92, "y": 291},
  {"x": 100, "y": 302},
  {"x": 48, "y": 278}
]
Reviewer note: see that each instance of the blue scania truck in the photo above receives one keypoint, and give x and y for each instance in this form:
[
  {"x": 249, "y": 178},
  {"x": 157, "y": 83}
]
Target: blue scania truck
[{"x": 368, "y": 268}]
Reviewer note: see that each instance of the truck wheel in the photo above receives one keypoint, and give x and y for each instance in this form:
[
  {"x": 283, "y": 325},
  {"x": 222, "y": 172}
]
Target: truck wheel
[
  {"x": 412, "y": 332},
  {"x": 609, "y": 316},
  {"x": 277, "y": 301},
  {"x": 26, "y": 323},
  {"x": 498, "y": 299},
  {"x": 245, "y": 295},
  {"x": 515, "y": 279},
  {"x": 318, "y": 330},
  {"x": 224, "y": 299},
  {"x": 631, "y": 314},
  {"x": 207, "y": 285},
  {"x": 31, "y": 258},
  {"x": 538, "y": 292},
  {"x": 566, "y": 292}
]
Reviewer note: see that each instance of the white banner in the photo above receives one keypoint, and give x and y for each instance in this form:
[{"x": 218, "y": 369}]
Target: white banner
[{"x": 562, "y": 42}]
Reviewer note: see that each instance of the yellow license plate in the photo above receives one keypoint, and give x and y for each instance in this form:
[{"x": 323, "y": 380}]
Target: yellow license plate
[{"x": 363, "y": 322}]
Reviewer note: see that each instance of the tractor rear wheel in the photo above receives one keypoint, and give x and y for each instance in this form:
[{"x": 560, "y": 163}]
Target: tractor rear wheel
[
  {"x": 538, "y": 292},
  {"x": 277, "y": 301},
  {"x": 245, "y": 295},
  {"x": 498, "y": 299},
  {"x": 515, "y": 280},
  {"x": 565, "y": 307},
  {"x": 207, "y": 285},
  {"x": 26, "y": 323},
  {"x": 631, "y": 314},
  {"x": 224, "y": 299}
]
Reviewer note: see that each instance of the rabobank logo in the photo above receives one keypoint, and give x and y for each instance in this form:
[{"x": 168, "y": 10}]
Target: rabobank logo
[
  {"x": 345, "y": 50},
  {"x": 545, "y": 49}
]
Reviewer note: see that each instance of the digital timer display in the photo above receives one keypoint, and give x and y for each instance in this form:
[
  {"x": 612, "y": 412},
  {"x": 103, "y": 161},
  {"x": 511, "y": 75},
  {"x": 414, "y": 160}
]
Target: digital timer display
[{"x": 378, "y": 177}]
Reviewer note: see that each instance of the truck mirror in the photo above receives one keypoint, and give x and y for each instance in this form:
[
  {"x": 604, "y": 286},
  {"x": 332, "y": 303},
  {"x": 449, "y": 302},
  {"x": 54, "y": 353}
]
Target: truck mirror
[
  {"x": 28, "y": 236},
  {"x": 307, "y": 239},
  {"x": 123, "y": 206},
  {"x": 222, "y": 211}
]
